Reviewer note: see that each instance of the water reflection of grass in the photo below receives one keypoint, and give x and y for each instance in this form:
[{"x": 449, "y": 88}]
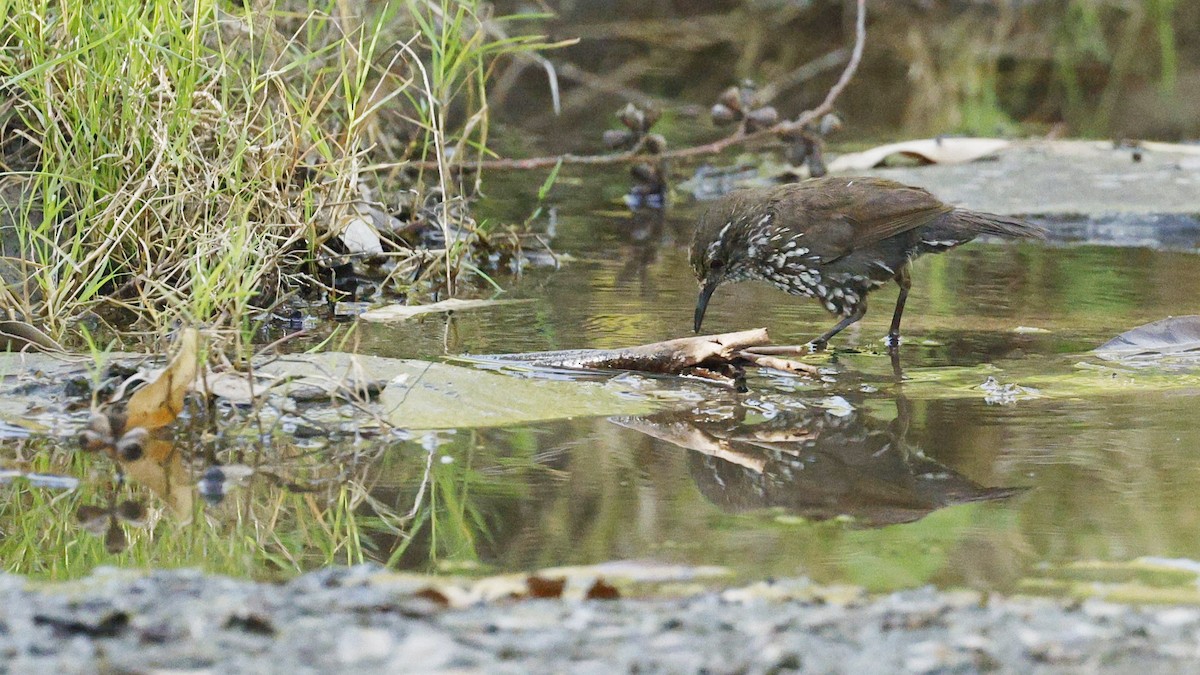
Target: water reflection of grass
[
  {"x": 1110, "y": 474},
  {"x": 262, "y": 530}
]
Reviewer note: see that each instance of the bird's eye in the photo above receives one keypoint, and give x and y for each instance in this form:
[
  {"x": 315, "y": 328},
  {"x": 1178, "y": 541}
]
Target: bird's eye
[{"x": 716, "y": 264}]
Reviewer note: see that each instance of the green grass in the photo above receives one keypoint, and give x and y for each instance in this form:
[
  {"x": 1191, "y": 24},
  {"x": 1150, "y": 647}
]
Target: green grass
[{"x": 189, "y": 160}]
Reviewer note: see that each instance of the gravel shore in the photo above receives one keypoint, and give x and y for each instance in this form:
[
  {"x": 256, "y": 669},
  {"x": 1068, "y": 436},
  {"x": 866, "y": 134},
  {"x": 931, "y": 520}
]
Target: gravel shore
[{"x": 355, "y": 621}]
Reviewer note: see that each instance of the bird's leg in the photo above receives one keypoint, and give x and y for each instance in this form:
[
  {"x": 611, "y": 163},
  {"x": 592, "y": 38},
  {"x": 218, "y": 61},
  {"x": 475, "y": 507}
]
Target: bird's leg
[
  {"x": 899, "y": 426},
  {"x": 897, "y": 371},
  {"x": 904, "y": 279},
  {"x": 860, "y": 310}
]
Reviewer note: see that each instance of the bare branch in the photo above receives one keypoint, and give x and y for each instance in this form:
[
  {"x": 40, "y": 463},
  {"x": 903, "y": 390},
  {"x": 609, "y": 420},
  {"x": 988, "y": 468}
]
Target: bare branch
[{"x": 782, "y": 128}]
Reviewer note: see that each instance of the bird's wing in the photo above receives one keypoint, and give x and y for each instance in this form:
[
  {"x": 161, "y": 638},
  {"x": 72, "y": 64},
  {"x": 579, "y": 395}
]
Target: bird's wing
[{"x": 841, "y": 214}]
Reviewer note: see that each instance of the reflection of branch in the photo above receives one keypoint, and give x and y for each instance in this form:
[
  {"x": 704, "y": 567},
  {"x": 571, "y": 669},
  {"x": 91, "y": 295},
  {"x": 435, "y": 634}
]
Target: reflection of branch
[
  {"x": 782, "y": 128},
  {"x": 687, "y": 435}
]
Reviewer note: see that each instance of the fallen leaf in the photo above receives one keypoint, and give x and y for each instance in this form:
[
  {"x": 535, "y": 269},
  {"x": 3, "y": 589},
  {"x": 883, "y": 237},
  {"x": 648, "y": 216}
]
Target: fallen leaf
[
  {"x": 933, "y": 150},
  {"x": 16, "y": 336},
  {"x": 545, "y": 587},
  {"x": 391, "y": 313},
  {"x": 602, "y": 590},
  {"x": 251, "y": 622},
  {"x": 433, "y": 595},
  {"x": 158, "y": 404}
]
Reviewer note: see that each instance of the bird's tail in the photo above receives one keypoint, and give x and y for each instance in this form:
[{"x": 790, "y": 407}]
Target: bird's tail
[{"x": 1000, "y": 226}]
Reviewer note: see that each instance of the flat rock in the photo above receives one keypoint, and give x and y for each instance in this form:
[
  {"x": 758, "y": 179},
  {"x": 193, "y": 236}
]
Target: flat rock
[{"x": 1067, "y": 178}]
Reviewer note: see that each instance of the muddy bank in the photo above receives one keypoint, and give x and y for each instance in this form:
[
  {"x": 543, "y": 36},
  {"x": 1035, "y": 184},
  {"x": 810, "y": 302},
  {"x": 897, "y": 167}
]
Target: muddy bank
[{"x": 358, "y": 620}]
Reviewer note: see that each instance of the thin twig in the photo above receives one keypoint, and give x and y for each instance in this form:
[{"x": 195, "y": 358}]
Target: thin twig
[
  {"x": 781, "y": 350},
  {"x": 804, "y": 73},
  {"x": 786, "y": 365}
]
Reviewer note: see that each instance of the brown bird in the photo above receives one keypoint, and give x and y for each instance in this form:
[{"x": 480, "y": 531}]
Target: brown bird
[{"x": 835, "y": 239}]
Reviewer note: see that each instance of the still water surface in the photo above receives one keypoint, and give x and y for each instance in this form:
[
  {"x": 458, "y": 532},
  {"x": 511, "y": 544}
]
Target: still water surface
[
  {"x": 945, "y": 478},
  {"x": 948, "y": 478}
]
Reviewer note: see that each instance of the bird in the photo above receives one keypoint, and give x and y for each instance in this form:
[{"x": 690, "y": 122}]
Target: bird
[{"x": 836, "y": 239}]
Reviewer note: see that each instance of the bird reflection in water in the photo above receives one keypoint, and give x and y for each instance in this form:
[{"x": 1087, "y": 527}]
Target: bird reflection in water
[{"x": 816, "y": 462}]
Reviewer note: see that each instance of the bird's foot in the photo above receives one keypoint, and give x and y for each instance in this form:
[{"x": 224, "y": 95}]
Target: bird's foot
[
  {"x": 892, "y": 340},
  {"x": 816, "y": 346}
]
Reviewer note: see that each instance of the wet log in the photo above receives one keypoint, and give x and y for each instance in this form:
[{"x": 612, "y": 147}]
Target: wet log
[{"x": 719, "y": 357}]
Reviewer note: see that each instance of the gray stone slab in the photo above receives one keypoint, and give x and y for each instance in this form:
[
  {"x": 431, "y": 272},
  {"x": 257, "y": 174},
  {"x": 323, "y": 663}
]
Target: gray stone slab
[{"x": 1066, "y": 178}]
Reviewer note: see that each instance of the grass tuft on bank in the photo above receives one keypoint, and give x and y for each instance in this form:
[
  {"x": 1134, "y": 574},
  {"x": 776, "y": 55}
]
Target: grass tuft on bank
[{"x": 194, "y": 161}]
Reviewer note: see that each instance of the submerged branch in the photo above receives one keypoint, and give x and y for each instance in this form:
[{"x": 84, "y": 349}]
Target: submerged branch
[{"x": 719, "y": 357}]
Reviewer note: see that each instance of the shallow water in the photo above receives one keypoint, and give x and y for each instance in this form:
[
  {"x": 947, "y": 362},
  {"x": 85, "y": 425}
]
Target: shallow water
[
  {"x": 886, "y": 487},
  {"x": 947, "y": 478}
]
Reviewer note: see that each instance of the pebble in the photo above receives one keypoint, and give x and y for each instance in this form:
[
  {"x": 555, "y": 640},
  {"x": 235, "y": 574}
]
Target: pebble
[{"x": 355, "y": 620}]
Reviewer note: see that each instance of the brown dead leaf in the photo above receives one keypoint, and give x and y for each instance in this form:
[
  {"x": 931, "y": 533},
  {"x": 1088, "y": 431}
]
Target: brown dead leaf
[
  {"x": 543, "y": 587},
  {"x": 433, "y": 595},
  {"x": 158, "y": 404},
  {"x": 602, "y": 590}
]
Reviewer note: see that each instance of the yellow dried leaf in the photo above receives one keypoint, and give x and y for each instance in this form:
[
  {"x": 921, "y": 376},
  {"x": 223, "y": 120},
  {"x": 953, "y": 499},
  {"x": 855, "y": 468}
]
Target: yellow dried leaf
[{"x": 160, "y": 402}]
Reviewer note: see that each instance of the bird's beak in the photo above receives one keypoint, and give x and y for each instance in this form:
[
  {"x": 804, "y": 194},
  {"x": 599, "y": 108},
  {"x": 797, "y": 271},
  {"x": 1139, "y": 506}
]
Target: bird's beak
[{"x": 702, "y": 302}]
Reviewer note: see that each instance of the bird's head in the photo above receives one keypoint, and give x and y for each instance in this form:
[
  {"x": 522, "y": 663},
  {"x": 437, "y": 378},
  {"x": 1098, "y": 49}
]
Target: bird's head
[{"x": 723, "y": 248}]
